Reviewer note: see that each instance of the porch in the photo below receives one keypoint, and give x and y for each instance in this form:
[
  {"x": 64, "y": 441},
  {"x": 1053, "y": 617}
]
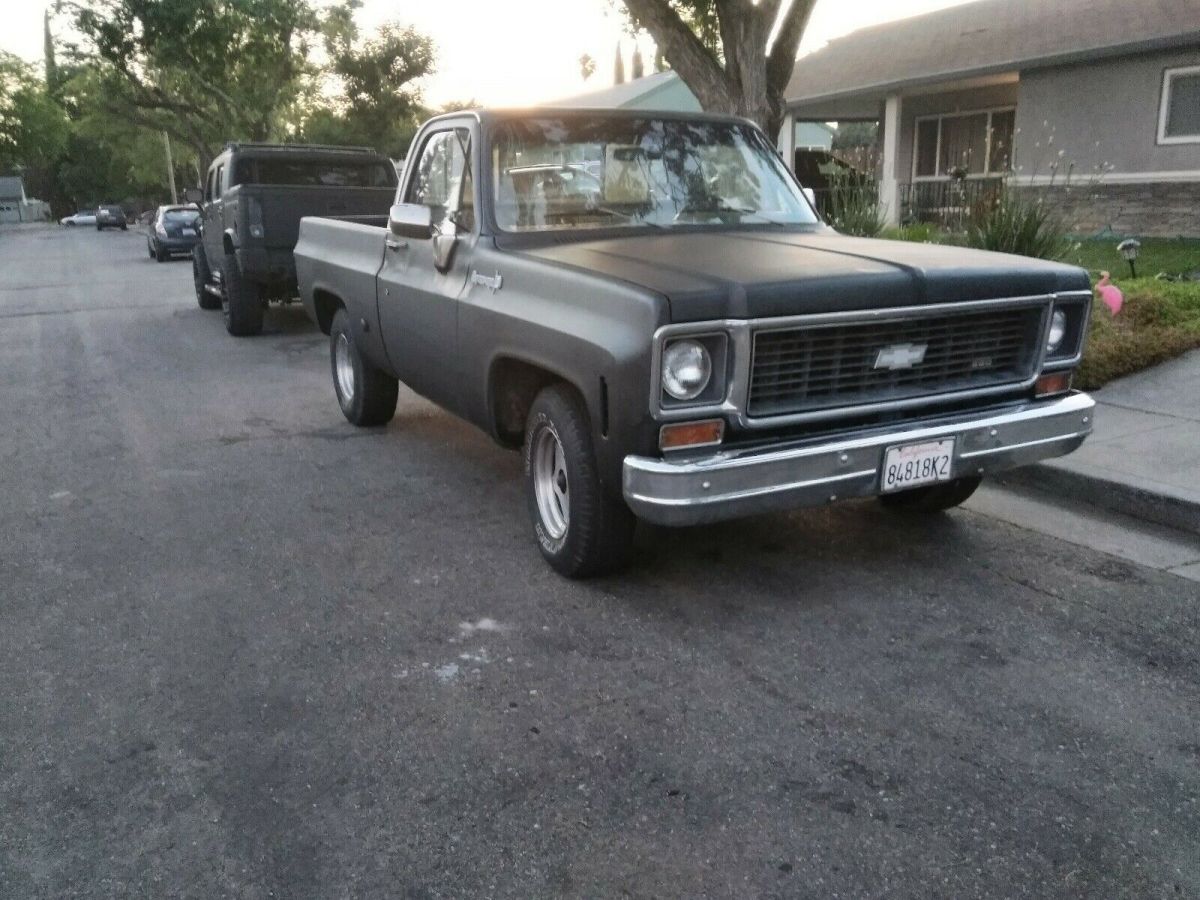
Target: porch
[{"x": 941, "y": 150}]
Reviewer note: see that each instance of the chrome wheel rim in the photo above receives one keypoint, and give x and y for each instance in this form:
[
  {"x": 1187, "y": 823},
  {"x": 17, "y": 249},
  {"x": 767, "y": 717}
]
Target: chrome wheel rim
[
  {"x": 343, "y": 365},
  {"x": 550, "y": 483}
]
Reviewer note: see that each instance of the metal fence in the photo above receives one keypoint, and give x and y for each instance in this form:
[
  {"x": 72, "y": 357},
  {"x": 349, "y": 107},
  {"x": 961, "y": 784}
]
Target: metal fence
[{"x": 947, "y": 204}]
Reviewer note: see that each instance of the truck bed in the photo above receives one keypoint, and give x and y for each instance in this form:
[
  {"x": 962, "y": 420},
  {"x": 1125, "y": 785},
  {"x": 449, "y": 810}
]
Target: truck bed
[
  {"x": 342, "y": 257},
  {"x": 283, "y": 206}
]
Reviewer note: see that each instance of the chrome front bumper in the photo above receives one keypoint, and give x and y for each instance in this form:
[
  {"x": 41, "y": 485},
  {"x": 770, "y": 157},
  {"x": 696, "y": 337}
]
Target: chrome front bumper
[{"x": 740, "y": 482}]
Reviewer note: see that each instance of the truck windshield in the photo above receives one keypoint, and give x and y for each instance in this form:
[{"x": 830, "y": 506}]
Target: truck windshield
[
  {"x": 315, "y": 173},
  {"x": 564, "y": 173}
]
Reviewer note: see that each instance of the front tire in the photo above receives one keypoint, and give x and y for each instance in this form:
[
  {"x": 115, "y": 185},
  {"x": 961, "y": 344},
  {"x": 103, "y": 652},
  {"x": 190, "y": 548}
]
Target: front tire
[
  {"x": 159, "y": 253},
  {"x": 201, "y": 276},
  {"x": 581, "y": 528},
  {"x": 240, "y": 300},
  {"x": 366, "y": 395},
  {"x": 933, "y": 497}
]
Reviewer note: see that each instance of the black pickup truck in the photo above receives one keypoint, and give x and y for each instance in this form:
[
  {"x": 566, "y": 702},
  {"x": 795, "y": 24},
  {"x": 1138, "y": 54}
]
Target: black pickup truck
[
  {"x": 648, "y": 306},
  {"x": 252, "y": 203}
]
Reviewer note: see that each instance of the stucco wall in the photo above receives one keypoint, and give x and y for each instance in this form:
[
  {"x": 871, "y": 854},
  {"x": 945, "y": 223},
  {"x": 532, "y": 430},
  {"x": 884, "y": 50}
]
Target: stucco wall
[{"x": 1106, "y": 112}]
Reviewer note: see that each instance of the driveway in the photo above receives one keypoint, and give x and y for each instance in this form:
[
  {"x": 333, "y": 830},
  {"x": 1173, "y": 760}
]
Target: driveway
[{"x": 249, "y": 651}]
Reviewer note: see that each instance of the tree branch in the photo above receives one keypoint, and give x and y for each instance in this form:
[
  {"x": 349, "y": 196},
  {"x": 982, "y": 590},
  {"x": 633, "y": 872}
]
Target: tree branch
[
  {"x": 782, "y": 58},
  {"x": 698, "y": 68}
]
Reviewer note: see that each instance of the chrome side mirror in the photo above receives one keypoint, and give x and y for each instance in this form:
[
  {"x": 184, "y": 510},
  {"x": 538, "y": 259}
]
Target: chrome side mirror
[
  {"x": 194, "y": 196},
  {"x": 410, "y": 220},
  {"x": 445, "y": 239}
]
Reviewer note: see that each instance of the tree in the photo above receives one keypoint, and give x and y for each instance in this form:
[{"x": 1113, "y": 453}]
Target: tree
[
  {"x": 619, "y": 67},
  {"x": 722, "y": 49},
  {"x": 587, "y": 66},
  {"x": 34, "y": 130},
  {"x": 378, "y": 101},
  {"x": 205, "y": 71},
  {"x": 639, "y": 68}
]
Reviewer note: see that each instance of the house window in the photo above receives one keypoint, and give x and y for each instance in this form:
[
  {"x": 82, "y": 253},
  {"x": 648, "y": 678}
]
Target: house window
[
  {"x": 1179, "y": 113},
  {"x": 973, "y": 143}
]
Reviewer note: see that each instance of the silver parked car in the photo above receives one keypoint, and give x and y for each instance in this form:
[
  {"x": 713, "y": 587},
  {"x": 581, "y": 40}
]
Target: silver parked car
[{"x": 83, "y": 217}]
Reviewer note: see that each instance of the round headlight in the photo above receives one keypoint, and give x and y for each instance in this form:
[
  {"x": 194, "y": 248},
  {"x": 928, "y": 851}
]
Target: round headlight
[
  {"x": 1058, "y": 330},
  {"x": 686, "y": 369}
]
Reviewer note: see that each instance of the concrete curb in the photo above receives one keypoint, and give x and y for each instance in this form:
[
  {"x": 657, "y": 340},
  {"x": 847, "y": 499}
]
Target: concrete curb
[{"x": 1138, "y": 500}]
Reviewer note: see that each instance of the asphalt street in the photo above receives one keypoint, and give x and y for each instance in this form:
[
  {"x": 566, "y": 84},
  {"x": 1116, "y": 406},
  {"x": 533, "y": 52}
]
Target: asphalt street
[{"x": 249, "y": 651}]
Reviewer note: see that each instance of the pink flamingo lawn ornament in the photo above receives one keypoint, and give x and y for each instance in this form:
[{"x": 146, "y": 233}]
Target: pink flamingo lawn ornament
[{"x": 1110, "y": 294}]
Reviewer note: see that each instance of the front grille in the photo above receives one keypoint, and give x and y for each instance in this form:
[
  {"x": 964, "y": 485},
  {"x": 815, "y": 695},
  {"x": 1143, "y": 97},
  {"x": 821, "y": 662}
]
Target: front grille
[{"x": 821, "y": 367}]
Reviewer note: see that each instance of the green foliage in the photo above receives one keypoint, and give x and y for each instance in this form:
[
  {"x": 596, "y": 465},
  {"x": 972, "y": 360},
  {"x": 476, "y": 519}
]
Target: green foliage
[
  {"x": 204, "y": 70},
  {"x": 32, "y": 126},
  {"x": 378, "y": 103},
  {"x": 1013, "y": 224},
  {"x": 853, "y": 205},
  {"x": 917, "y": 232},
  {"x": 1171, "y": 256}
]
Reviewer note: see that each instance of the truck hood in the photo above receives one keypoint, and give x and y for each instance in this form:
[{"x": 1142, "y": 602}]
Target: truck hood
[{"x": 757, "y": 274}]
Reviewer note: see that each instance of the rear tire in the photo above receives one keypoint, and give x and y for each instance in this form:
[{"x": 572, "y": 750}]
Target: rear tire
[
  {"x": 201, "y": 276},
  {"x": 240, "y": 300},
  {"x": 933, "y": 497},
  {"x": 366, "y": 395},
  {"x": 581, "y": 528}
]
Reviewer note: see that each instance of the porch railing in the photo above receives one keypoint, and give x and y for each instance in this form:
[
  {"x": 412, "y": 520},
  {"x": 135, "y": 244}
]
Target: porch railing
[{"x": 947, "y": 204}]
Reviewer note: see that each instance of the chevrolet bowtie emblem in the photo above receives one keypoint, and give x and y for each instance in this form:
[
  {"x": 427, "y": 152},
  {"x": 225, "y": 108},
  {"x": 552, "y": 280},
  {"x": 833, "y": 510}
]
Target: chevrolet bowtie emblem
[{"x": 900, "y": 356}]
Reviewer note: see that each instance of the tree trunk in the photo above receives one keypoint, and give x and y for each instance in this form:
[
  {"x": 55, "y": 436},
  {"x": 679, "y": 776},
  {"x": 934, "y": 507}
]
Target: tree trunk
[{"x": 748, "y": 82}]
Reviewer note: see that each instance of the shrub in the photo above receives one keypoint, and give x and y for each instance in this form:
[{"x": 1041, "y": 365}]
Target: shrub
[
  {"x": 1012, "y": 224},
  {"x": 1153, "y": 326},
  {"x": 853, "y": 206}
]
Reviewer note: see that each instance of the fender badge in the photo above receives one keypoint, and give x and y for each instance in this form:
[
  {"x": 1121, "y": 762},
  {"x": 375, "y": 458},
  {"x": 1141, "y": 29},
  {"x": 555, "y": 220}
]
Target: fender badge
[{"x": 494, "y": 283}]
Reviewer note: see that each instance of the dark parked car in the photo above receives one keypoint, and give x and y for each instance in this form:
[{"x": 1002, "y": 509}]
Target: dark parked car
[
  {"x": 254, "y": 198},
  {"x": 109, "y": 216},
  {"x": 690, "y": 343},
  {"x": 174, "y": 230}
]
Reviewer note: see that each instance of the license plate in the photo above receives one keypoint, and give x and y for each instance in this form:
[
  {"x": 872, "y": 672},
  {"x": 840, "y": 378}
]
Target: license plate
[
  {"x": 911, "y": 465},
  {"x": 188, "y": 232}
]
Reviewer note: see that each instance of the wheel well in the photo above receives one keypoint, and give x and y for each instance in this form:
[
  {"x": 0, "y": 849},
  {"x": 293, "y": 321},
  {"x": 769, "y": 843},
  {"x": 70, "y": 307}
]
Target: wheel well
[
  {"x": 515, "y": 384},
  {"x": 326, "y": 306}
]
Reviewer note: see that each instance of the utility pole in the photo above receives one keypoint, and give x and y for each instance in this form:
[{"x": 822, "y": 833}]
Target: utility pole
[{"x": 170, "y": 167}]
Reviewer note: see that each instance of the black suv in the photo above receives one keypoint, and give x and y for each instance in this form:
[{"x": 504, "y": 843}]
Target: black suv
[
  {"x": 110, "y": 217},
  {"x": 254, "y": 198}
]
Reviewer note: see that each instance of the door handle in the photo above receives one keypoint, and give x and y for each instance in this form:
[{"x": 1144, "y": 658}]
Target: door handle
[{"x": 394, "y": 245}]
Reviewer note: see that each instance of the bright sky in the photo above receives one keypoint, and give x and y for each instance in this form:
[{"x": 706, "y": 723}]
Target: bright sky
[{"x": 516, "y": 52}]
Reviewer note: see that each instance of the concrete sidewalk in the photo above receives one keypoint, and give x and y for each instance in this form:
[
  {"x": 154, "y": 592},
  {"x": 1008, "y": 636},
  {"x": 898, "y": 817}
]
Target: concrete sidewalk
[{"x": 1144, "y": 457}]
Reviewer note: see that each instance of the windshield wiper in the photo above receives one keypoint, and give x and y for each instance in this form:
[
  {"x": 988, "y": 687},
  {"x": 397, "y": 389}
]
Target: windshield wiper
[
  {"x": 740, "y": 210},
  {"x": 629, "y": 217}
]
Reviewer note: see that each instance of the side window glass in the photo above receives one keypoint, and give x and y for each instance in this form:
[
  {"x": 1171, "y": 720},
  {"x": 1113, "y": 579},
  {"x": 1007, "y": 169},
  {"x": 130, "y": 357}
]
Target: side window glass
[
  {"x": 208, "y": 191},
  {"x": 441, "y": 174},
  {"x": 220, "y": 175}
]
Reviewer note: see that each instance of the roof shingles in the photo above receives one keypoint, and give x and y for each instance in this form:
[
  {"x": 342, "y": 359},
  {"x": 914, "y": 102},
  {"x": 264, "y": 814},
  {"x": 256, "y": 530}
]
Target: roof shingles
[{"x": 987, "y": 37}]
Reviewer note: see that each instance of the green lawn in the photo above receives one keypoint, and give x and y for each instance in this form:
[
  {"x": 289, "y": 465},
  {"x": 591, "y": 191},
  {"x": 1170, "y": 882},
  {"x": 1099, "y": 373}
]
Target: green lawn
[{"x": 1172, "y": 256}]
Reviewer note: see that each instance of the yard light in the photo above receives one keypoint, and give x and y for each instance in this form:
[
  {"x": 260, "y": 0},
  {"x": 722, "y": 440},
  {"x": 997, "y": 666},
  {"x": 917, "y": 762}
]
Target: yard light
[{"x": 1129, "y": 250}]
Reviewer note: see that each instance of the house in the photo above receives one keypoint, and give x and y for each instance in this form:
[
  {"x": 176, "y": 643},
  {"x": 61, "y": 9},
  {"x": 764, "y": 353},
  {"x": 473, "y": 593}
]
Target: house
[
  {"x": 666, "y": 92},
  {"x": 1093, "y": 105},
  {"x": 15, "y": 206}
]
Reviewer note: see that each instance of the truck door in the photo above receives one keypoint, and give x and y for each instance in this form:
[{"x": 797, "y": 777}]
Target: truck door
[
  {"x": 211, "y": 221},
  {"x": 422, "y": 279}
]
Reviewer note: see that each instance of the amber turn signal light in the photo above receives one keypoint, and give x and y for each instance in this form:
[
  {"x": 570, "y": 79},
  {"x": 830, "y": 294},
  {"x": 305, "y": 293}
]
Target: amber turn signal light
[
  {"x": 1055, "y": 383},
  {"x": 691, "y": 434}
]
